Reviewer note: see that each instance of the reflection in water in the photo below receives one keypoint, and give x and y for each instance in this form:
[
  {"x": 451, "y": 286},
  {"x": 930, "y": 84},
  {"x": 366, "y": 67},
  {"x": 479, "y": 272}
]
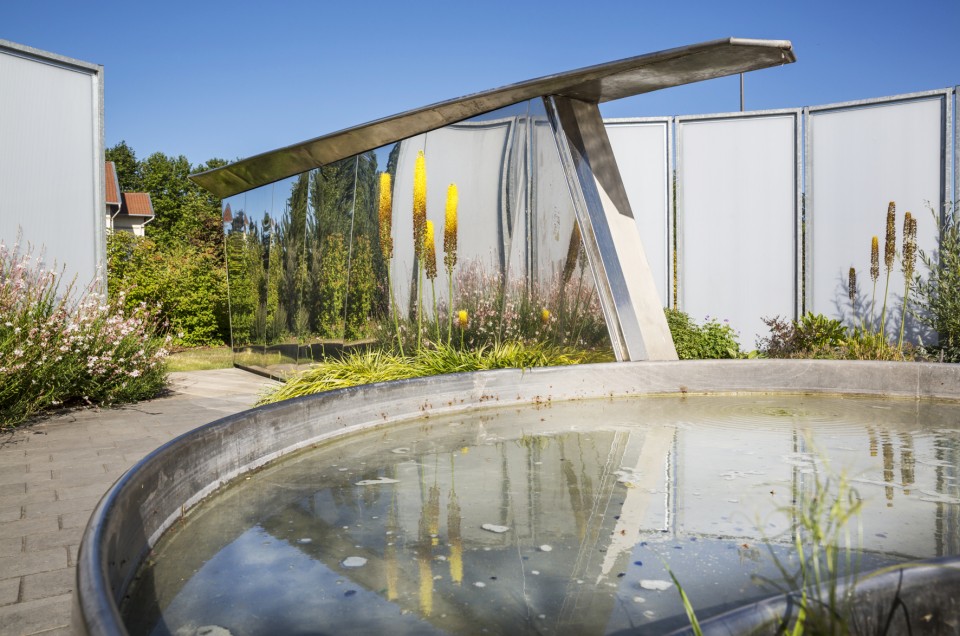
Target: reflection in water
[{"x": 595, "y": 498}]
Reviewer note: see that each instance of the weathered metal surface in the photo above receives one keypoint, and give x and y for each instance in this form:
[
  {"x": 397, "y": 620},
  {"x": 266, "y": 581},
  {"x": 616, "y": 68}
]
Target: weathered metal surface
[{"x": 596, "y": 84}]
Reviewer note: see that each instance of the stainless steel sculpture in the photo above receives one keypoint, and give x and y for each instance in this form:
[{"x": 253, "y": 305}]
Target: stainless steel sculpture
[{"x": 632, "y": 308}]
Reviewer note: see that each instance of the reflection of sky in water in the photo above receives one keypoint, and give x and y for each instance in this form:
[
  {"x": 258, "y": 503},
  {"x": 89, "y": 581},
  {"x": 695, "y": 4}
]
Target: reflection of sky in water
[
  {"x": 700, "y": 484},
  {"x": 259, "y": 584}
]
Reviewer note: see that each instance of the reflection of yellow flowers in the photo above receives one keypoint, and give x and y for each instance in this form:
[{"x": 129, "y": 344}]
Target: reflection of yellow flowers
[
  {"x": 545, "y": 316},
  {"x": 386, "y": 216},
  {"x": 426, "y": 585},
  {"x": 456, "y": 542},
  {"x": 450, "y": 229},
  {"x": 433, "y": 515},
  {"x": 419, "y": 202},
  {"x": 429, "y": 252},
  {"x": 463, "y": 319}
]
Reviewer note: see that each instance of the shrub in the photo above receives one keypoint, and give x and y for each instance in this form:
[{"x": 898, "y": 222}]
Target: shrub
[
  {"x": 187, "y": 284},
  {"x": 816, "y": 336},
  {"x": 711, "y": 341},
  {"x": 55, "y": 349},
  {"x": 938, "y": 297}
]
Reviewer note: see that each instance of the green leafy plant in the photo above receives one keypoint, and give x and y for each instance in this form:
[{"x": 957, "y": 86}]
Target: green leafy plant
[
  {"x": 185, "y": 283},
  {"x": 820, "y": 337},
  {"x": 936, "y": 298},
  {"x": 711, "y": 340}
]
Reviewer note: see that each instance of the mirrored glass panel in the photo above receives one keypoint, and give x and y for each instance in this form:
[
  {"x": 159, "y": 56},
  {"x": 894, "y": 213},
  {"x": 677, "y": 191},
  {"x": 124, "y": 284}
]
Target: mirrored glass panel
[{"x": 462, "y": 237}]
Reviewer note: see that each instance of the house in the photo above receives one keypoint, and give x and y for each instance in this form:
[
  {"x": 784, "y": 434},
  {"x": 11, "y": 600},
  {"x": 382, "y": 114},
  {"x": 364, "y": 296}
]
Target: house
[{"x": 125, "y": 211}]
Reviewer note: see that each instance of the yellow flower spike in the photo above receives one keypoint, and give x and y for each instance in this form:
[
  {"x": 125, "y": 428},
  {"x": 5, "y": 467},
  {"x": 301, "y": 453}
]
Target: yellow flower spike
[
  {"x": 386, "y": 216},
  {"x": 463, "y": 319},
  {"x": 450, "y": 229},
  {"x": 545, "y": 316},
  {"x": 874, "y": 259},
  {"x": 429, "y": 252},
  {"x": 419, "y": 202}
]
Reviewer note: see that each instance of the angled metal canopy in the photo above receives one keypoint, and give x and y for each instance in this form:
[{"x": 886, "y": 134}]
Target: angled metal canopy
[{"x": 593, "y": 84}]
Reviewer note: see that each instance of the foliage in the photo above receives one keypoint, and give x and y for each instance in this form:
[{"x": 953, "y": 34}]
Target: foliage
[
  {"x": 185, "y": 282},
  {"x": 310, "y": 272},
  {"x": 59, "y": 346},
  {"x": 180, "y": 265},
  {"x": 816, "y": 336},
  {"x": 378, "y": 365},
  {"x": 936, "y": 300},
  {"x": 710, "y": 341}
]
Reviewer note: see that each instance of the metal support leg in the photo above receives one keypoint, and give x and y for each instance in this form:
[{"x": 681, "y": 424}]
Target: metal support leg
[{"x": 628, "y": 293}]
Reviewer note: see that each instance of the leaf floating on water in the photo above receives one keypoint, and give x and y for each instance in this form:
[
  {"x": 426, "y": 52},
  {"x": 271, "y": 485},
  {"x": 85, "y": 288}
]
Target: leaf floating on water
[
  {"x": 655, "y": 584},
  {"x": 354, "y": 562},
  {"x": 377, "y": 482},
  {"x": 490, "y": 527}
]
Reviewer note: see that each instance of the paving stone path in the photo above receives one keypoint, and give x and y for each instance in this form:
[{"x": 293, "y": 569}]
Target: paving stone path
[{"x": 53, "y": 473}]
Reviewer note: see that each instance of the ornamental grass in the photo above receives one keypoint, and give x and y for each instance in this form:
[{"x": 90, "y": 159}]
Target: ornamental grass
[{"x": 378, "y": 365}]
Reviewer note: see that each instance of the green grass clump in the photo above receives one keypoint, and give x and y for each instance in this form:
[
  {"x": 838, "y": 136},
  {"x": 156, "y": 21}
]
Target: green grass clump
[{"x": 367, "y": 367}]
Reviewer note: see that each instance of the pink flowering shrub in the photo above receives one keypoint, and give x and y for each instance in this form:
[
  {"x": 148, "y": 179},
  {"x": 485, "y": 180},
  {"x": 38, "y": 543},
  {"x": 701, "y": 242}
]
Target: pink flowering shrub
[{"x": 59, "y": 347}]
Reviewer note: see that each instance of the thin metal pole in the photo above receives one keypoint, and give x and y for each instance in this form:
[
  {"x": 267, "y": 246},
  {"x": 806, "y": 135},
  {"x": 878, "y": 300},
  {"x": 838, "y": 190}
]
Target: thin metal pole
[{"x": 741, "y": 92}]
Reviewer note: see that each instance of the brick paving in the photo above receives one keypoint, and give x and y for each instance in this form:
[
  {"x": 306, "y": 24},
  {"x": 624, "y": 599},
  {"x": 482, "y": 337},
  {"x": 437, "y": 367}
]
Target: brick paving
[{"x": 54, "y": 471}]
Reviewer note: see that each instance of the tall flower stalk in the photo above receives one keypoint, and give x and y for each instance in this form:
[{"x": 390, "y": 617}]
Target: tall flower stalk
[
  {"x": 430, "y": 265},
  {"x": 874, "y": 272},
  {"x": 907, "y": 262},
  {"x": 419, "y": 228},
  {"x": 450, "y": 249},
  {"x": 889, "y": 254},
  {"x": 385, "y": 215}
]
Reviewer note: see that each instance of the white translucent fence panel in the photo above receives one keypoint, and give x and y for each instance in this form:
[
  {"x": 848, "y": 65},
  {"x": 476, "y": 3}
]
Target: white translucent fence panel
[
  {"x": 737, "y": 196},
  {"x": 51, "y": 163},
  {"x": 860, "y": 158},
  {"x": 642, "y": 149}
]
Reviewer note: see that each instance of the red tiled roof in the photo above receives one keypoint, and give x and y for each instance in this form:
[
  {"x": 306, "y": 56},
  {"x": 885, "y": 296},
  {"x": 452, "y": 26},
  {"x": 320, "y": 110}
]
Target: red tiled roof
[
  {"x": 137, "y": 204},
  {"x": 113, "y": 185}
]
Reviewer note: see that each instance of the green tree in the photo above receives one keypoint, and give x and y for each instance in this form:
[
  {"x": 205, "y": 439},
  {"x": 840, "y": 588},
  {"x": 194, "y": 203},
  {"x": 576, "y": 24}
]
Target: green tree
[{"x": 128, "y": 168}]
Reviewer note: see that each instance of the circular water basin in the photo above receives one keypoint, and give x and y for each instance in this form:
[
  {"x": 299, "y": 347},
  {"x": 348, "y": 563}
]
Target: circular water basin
[{"x": 566, "y": 501}]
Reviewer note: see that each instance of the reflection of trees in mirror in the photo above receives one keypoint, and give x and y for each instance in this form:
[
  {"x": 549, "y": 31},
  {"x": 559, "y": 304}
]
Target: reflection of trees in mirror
[{"x": 309, "y": 272}]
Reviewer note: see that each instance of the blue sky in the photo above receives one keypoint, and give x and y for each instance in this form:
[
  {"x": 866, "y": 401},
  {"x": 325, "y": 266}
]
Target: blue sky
[{"x": 232, "y": 79}]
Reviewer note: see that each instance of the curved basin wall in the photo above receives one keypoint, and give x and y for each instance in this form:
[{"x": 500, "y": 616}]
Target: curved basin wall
[{"x": 159, "y": 490}]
